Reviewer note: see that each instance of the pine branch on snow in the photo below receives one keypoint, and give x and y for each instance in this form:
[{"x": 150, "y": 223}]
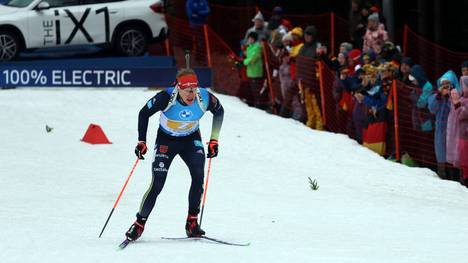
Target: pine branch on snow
[{"x": 313, "y": 184}]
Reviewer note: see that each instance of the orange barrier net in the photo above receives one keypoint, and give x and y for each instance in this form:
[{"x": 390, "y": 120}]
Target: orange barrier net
[
  {"x": 435, "y": 60},
  {"x": 405, "y": 131},
  {"x": 415, "y": 135}
]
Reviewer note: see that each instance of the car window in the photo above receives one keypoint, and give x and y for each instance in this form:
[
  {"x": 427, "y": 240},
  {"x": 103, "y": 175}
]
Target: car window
[
  {"x": 18, "y": 3},
  {"x": 89, "y": 2},
  {"x": 60, "y": 3}
]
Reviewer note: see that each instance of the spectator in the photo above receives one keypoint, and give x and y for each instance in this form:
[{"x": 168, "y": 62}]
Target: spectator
[
  {"x": 260, "y": 27},
  {"x": 374, "y": 136},
  {"x": 345, "y": 47},
  {"x": 338, "y": 62},
  {"x": 295, "y": 45},
  {"x": 309, "y": 52},
  {"x": 354, "y": 60},
  {"x": 439, "y": 105},
  {"x": 354, "y": 19},
  {"x": 422, "y": 119},
  {"x": 254, "y": 63},
  {"x": 419, "y": 79},
  {"x": 389, "y": 53},
  {"x": 360, "y": 30},
  {"x": 278, "y": 26},
  {"x": 464, "y": 68},
  {"x": 368, "y": 57},
  {"x": 276, "y": 34},
  {"x": 197, "y": 12},
  {"x": 343, "y": 99},
  {"x": 284, "y": 24},
  {"x": 388, "y": 71},
  {"x": 297, "y": 42},
  {"x": 375, "y": 36},
  {"x": 405, "y": 70},
  {"x": 359, "y": 115},
  {"x": 291, "y": 106},
  {"x": 286, "y": 84},
  {"x": 453, "y": 132},
  {"x": 462, "y": 131}
]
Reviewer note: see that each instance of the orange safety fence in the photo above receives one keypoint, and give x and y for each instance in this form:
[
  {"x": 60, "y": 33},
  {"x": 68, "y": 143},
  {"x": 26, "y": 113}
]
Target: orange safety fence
[
  {"x": 435, "y": 60},
  {"x": 415, "y": 135},
  {"x": 405, "y": 123},
  {"x": 341, "y": 33},
  {"x": 404, "y": 135},
  {"x": 335, "y": 118},
  {"x": 308, "y": 78},
  {"x": 185, "y": 37},
  {"x": 271, "y": 67},
  {"x": 207, "y": 50},
  {"x": 231, "y": 23},
  {"x": 226, "y": 76}
]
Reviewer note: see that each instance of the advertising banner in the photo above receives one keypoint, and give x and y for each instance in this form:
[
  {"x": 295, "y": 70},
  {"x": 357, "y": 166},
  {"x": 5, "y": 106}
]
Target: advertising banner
[{"x": 103, "y": 72}]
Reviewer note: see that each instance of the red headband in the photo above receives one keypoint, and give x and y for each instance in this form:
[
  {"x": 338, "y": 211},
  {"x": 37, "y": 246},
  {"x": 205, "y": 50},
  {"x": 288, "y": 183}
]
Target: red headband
[{"x": 187, "y": 81}]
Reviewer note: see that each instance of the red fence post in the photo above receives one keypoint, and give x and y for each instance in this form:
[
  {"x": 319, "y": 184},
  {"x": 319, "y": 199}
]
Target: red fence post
[
  {"x": 396, "y": 120},
  {"x": 332, "y": 33},
  {"x": 266, "y": 62},
  {"x": 405, "y": 40},
  {"x": 207, "y": 45},
  {"x": 167, "y": 45},
  {"x": 322, "y": 92}
]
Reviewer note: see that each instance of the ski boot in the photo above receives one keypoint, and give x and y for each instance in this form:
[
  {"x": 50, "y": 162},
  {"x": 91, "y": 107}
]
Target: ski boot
[
  {"x": 135, "y": 231},
  {"x": 192, "y": 228}
]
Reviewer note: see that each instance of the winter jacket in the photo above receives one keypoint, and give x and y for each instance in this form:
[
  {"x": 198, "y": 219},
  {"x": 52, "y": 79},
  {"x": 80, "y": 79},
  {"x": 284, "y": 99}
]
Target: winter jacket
[
  {"x": 440, "y": 107},
  {"x": 462, "y": 128},
  {"x": 253, "y": 60},
  {"x": 452, "y": 124},
  {"x": 374, "y": 39},
  {"x": 423, "y": 120}
]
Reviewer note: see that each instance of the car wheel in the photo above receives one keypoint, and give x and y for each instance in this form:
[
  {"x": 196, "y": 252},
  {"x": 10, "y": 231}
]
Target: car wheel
[
  {"x": 9, "y": 46},
  {"x": 131, "y": 41}
]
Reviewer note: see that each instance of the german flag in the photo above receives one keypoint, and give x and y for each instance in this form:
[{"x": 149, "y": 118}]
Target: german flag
[
  {"x": 374, "y": 137},
  {"x": 346, "y": 103}
]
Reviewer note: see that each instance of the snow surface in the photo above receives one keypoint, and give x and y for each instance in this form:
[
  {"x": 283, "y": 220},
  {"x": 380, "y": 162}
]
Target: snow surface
[{"x": 56, "y": 191}]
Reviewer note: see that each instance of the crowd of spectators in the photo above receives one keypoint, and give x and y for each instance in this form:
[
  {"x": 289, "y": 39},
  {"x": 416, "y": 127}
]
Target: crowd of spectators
[{"x": 365, "y": 69}]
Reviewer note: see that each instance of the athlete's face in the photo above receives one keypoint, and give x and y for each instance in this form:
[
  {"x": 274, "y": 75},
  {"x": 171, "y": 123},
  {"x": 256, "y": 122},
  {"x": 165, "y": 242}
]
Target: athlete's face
[{"x": 188, "y": 95}]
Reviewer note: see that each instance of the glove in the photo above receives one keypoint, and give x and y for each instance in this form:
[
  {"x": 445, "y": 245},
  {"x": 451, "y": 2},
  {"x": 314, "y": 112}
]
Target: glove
[
  {"x": 140, "y": 150},
  {"x": 212, "y": 149}
]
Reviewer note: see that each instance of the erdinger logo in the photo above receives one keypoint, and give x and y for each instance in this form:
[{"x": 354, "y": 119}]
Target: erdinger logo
[{"x": 185, "y": 114}]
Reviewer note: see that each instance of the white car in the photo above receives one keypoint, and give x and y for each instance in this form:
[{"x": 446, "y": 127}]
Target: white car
[{"x": 128, "y": 26}]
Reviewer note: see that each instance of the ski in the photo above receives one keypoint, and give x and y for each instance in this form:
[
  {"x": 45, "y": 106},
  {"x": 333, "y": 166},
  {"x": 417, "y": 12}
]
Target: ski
[
  {"x": 125, "y": 243},
  {"x": 225, "y": 242},
  {"x": 215, "y": 240}
]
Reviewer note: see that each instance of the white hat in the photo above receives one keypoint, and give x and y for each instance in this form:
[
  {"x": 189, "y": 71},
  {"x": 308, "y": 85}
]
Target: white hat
[
  {"x": 373, "y": 17},
  {"x": 258, "y": 16}
]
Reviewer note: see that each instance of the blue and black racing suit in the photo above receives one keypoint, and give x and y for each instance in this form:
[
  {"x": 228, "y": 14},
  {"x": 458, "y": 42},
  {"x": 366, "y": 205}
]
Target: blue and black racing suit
[{"x": 178, "y": 133}]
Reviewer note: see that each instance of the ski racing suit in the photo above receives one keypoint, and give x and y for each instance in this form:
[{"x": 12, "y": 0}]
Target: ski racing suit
[{"x": 178, "y": 134}]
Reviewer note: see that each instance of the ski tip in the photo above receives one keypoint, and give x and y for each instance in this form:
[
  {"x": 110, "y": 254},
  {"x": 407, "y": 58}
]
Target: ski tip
[{"x": 124, "y": 244}]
